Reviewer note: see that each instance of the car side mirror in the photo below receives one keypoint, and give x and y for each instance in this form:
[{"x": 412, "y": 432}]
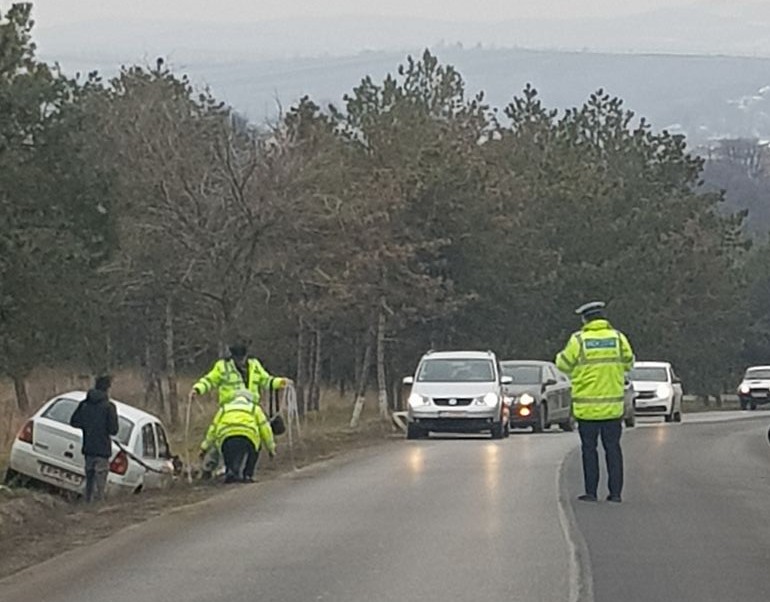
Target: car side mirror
[
  {"x": 506, "y": 380},
  {"x": 408, "y": 380},
  {"x": 550, "y": 382}
]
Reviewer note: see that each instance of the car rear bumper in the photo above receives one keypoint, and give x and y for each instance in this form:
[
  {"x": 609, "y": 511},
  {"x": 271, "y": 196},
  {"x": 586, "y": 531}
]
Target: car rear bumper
[{"x": 28, "y": 463}]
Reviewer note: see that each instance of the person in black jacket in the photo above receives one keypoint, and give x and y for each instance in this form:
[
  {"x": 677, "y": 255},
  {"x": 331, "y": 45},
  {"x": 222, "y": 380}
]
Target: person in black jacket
[{"x": 97, "y": 417}]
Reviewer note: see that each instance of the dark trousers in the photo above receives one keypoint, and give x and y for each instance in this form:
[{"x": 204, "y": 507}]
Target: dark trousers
[
  {"x": 97, "y": 470},
  {"x": 240, "y": 456},
  {"x": 610, "y": 432}
]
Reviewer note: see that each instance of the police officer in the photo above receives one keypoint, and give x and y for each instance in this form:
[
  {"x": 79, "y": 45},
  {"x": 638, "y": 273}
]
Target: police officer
[
  {"x": 239, "y": 371},
  {"x": 228, "y": 376},
  {"x": 597, "y": 358},
  {"x": 238, "y": 430}
]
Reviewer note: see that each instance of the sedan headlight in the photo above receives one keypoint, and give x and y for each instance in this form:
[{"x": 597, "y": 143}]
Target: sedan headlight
[
  {"x": 663, "y": 391},
  {"x": 526, "y": 399},
  {"x": 416, "y": 400},
  {"x": 745, "y": 389}
]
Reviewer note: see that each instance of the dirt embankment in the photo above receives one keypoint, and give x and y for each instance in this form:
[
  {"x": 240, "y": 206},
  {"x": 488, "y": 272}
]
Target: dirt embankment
[{"x": 35, "y": 526}]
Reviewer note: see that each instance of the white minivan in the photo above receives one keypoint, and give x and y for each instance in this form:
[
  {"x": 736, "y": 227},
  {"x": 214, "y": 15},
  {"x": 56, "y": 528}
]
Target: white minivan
[{"x": 48, "y": 449}]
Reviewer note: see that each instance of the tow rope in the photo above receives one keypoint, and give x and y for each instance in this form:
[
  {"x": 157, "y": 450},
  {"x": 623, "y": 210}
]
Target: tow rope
[{"x": 139, "y": 461}]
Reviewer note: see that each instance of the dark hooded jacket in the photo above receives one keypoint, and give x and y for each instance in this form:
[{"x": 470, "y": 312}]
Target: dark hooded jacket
[{"x": 97, "y": 416}]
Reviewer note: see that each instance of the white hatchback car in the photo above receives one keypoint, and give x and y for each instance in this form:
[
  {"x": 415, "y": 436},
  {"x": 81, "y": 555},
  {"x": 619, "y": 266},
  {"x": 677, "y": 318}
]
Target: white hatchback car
[
  {"x": 658, "y": 390},
  {"x": 48, "y": 449}
]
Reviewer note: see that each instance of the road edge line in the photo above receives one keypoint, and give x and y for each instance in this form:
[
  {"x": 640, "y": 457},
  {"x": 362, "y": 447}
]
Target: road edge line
[{"x": 581, "y": 582}]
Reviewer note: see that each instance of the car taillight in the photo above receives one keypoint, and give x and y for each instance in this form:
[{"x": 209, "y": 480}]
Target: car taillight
[
  {"x": 119, "y": 464},
  {"x": 27, "y": 432}
]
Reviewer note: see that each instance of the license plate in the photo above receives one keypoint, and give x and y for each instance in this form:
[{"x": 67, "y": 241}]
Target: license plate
[
  {"x": 452, "y": 414},
  {"x": 60, "y": 474}
]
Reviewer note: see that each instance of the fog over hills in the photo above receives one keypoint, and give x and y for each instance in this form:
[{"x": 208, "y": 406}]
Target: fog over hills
[{"x": 252, "y": 64}]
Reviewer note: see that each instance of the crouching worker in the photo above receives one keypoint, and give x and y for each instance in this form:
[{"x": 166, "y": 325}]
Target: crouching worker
[{"x": 238, "y": 430}]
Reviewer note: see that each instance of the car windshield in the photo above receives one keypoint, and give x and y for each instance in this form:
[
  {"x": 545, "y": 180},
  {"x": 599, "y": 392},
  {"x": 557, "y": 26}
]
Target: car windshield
[
  {"x": 651, "y": 375},
  {"x": 759, "y": 373},
  {"x": 456, "y": 370},
  {"x": 522, "y": 374},
  {"x": 63, "y": 408}
]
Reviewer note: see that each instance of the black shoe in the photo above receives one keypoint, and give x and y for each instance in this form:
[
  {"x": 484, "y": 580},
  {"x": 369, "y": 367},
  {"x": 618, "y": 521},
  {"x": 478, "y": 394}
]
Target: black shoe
[
  {"x": 587, "y": 498},
  {"x": 231, "y": 478},
  {"x": 248, "y": 479},
  {"x": 614, "y": 498}
]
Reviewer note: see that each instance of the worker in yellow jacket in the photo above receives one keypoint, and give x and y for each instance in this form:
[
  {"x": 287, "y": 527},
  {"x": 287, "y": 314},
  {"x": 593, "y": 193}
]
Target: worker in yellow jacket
[
  {"x": 596, "y": 359},
  {"x": 239, "y": 429},
  {"x": 237, "y": 372}
]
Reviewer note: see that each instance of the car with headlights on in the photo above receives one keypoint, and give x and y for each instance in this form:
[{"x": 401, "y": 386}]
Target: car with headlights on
[
  {"x": 48, "y": 450},
  {"x": 754, "y": 389},
  {"x": 458, "y": 392},
  {"x": 657, "y": 390},
  {"x": 541, "y": 395}
]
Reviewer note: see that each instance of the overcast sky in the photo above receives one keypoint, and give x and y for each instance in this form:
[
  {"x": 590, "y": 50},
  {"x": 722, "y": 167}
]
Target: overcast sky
[{"x": 52, "y": 12}]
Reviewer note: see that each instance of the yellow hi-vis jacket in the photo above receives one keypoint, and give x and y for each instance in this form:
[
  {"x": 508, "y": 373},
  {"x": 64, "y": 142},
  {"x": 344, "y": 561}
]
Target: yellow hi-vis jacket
[
  {"x": 240, "y": 416},
  {"x": 227, "y": 380},
  {"x": 596, "y": 359}
]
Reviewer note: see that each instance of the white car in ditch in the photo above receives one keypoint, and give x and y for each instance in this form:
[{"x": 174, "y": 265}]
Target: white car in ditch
[
  {"x": 47, "y": 449},
  {"x": 657, "y": 390}
]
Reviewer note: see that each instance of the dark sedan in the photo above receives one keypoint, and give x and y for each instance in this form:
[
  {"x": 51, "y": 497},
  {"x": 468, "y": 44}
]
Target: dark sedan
[{"x": 540, "y": 395}]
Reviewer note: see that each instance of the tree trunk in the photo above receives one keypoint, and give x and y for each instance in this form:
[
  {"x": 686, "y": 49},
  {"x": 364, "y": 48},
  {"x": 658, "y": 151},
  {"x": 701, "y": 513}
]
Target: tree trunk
[
  {"x": 151, "y": 397},
  {"x": 20, "y": 387},
  {"x": 315, "y": 391},
  {"x": 382, "y": 383},
  {"x": 171, "y": 375},
  {"x": 302, "y": 368},
  {"x": 358, "y": 406}
]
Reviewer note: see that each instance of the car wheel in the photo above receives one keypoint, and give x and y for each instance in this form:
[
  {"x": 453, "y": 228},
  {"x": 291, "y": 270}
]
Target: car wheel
[
  {"x": 542, "y": 419},
  {"x": 497, "y": 430},
  {"x": 414, "y": 432},
  {"x": 11, "y": 477},
  {"x": 568, "y": 425}
]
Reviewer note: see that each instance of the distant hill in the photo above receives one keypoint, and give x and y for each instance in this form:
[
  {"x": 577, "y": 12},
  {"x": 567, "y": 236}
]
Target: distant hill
[{"x": 702, "y": 96}]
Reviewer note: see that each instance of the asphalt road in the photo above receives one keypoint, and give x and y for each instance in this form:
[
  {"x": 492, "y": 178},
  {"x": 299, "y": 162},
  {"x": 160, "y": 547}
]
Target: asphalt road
[
  {"x": 695, "y": 522},
  {"x": 456, "y": 519}
]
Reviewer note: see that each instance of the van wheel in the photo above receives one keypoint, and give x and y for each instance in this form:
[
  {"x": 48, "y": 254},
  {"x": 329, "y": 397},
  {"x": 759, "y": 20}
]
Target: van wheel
[{"x": 414, "y": 432}]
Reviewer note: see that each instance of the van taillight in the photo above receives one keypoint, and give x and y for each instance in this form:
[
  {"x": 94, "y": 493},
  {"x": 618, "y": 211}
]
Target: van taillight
[
  {"x": 27, "y": 432},
  {"x": 119, "y": 464}
]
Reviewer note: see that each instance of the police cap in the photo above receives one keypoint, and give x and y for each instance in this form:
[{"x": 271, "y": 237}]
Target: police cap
[{"x": 592, "y": 309}]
